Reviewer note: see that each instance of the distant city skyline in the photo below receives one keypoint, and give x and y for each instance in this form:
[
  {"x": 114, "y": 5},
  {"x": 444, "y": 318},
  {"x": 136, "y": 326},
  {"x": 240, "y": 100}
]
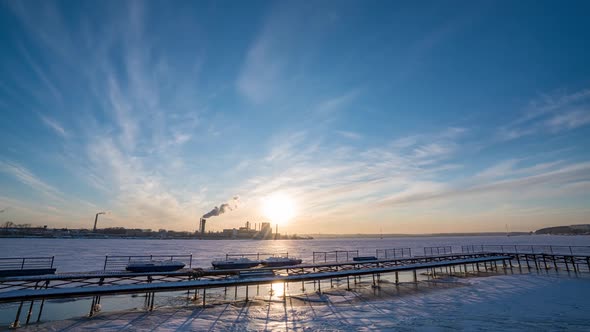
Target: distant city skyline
[{"x": 361, "y": 117}]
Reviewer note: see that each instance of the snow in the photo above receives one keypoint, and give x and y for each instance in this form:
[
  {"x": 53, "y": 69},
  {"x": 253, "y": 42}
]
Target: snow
[{"x": 512, "y": 302}]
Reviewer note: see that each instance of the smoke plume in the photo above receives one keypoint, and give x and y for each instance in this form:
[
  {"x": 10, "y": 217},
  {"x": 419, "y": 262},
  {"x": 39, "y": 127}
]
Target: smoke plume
[{"x": 223, "y": 208}]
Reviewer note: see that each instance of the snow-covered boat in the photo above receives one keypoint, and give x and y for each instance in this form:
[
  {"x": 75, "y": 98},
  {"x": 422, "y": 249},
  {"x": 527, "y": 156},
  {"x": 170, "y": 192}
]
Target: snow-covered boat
[
  {"x": 154, "y": 266},
  {"x": 281, "y": 261},
  {"x": 238, "y": 263}
]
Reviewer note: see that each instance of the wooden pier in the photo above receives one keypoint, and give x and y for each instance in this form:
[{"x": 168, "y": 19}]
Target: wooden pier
[{"x": 435, "y": 262}]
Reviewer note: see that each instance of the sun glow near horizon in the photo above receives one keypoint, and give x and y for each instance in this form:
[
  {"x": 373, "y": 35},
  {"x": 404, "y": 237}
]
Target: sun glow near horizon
[{"x": 279, "y": 208}]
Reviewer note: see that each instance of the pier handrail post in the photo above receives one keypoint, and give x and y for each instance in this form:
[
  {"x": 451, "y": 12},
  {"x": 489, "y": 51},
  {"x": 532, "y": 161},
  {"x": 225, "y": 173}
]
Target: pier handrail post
[
  {"x": 571, "y": 252},
  {"x": 52, "y": 258},
  {"x": 106, "y": 258},
  {"x": 532, "y": 250},
  {"x": 22, "y": 266},
  {"x": 190, "y": 261}
]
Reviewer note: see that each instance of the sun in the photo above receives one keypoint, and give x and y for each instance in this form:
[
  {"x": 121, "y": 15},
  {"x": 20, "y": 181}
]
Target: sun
[{"x": 278, "y": 207}]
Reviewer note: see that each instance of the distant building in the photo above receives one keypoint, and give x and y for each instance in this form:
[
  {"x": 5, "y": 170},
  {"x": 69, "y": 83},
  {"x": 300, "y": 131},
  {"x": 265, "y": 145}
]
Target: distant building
[{"x": 265, "y": 231}]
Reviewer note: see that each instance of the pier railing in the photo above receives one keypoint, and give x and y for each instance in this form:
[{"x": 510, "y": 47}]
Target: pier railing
[
  {"x": 334, "y": 256},
  {"x": 26, "y": 263},
  {"x": 393, "y": 253},
  {"x": 117, "y": 263},
  {"x": 442, "y": 250},
  {"x": 257, "y": 255},
  {"x": 528, "y": 249}
]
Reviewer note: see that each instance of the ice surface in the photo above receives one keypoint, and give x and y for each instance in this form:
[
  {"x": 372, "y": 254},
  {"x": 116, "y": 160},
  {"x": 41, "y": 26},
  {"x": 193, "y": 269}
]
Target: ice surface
[
  {"x": 499, "y": 303},
  {"x": 518, "y": 302},
  {"x": 75, "y": 255}
]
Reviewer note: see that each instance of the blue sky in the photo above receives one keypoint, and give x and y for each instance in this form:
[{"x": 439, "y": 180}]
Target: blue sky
[{"x": 410, "y": 118}]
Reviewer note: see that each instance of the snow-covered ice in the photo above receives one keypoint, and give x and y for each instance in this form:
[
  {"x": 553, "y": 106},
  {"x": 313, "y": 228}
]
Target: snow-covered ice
[{"x": 512, "y": 302}]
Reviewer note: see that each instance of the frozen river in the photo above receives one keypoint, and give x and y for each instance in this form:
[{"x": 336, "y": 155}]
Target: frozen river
[
  {"x": 88, "y": 254},
  {"x": 529, "y": 301}
]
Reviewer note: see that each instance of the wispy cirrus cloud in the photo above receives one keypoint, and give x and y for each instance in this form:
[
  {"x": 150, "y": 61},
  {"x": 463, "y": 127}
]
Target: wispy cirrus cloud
[
  {"x": 54, "y": 125},
  {"x": 26, "y": 177},
  {"x": 349, "y": 134},
  {"x": 552, "y": 113},
  {"x": 336, "y": 103},
  {"x": 527, "y": 183}
]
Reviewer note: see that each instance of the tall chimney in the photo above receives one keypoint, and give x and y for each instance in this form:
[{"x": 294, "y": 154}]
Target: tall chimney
[{"x": 202, "y": 225}]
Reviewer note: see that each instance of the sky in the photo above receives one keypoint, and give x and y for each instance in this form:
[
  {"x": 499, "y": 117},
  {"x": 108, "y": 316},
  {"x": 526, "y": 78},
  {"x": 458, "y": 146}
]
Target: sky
[{"x": 369, "y": 116}]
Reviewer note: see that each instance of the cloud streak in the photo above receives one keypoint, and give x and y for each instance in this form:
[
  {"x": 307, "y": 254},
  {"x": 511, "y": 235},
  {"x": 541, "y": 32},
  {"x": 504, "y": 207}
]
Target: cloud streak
[
  {"x": 54, "y": 125},
  {"x": 550, "y": 114}
]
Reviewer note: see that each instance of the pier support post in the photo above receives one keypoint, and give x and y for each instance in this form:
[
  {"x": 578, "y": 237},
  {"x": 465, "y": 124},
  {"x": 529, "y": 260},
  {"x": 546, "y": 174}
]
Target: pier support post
[
  {"x": 303, "y": 285},
  {"x": 152, "y": 304},
  {"x": 396, "y": 277},
  {"x": 348, "y": 283},
  {"x": 42, "y": 303},
  {"x": 204, "y": 295},
  {"x": 31, "y": 308},
  {"x": 92, "y": 306},
  {"x": 574, "y": 264},
  {"x": 415, "y": 276},
  {"x": 545, "y": 261},
  {"x": 16, "y": 322}
]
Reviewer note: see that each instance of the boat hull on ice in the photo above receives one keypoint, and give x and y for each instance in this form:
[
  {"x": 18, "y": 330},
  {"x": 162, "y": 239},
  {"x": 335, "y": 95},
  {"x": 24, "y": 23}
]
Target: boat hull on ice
[
  {"x": 281, "y": 261},
  {"x": 154, "y": 266},
  {"x": 234, "y": 264}
]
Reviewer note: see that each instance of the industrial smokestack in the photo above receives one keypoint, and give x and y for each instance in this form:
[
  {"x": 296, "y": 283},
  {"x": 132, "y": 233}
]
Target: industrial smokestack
[
  {"x": 202, "y": 225},
  {"x": 96, "y": 220},
  {"x": 223, "y": 208}
]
